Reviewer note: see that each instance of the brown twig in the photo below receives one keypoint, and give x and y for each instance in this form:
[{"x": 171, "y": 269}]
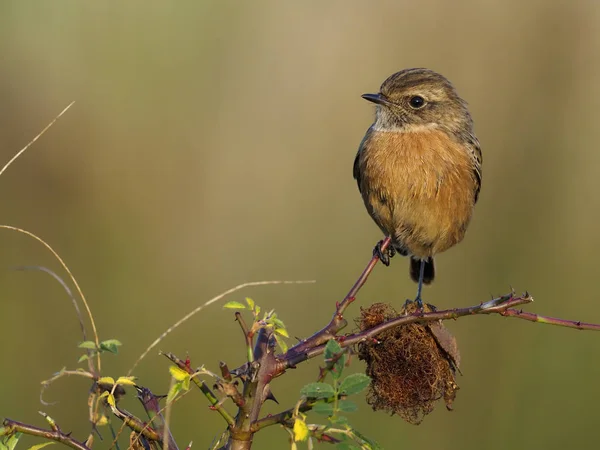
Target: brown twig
[
  {"x": 503, "y": 306},
  {"x": 225, "y": 373},
  {"x": 262, "y": 370},
  {"x": 12, "y": 426},
  {"x": 136, "y": 424},
  {"x": 284, "y": 418},
  {"x": 337, "y": 322},
  {"x": 495, "y": 306},
  {"x": 532, "y": 317},
  {"x": 247, "y": 336},
  {"x": 256, "y": 392},
  {"x": 150, "y": 402}
]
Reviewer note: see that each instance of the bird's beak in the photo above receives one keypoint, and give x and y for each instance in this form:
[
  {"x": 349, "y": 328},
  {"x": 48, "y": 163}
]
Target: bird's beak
[{"x": 375, "y": 98}]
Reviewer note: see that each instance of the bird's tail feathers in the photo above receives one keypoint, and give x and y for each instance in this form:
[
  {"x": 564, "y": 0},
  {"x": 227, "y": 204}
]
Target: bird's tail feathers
[{"x": 415, "y": 269}]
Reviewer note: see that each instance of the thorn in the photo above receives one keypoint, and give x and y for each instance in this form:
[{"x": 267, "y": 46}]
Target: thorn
[
  {"x": 269, "y": 395},
  {"x": 348, "y": 360},
  {"x": 322, "y": 372}
]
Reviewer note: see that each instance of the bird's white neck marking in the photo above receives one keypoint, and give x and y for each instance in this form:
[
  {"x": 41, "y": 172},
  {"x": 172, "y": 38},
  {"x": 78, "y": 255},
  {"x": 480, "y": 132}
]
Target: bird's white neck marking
[{"x": 407, "y": 128}]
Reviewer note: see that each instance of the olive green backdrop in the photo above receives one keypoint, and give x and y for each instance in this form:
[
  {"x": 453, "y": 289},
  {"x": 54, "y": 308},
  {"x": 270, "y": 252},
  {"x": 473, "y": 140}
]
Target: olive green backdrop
[{"x": 211, "y": 144}]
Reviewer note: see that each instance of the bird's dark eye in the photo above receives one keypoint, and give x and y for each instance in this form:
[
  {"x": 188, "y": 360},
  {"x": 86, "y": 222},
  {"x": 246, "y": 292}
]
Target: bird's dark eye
[{"x": 416, "y": 102}]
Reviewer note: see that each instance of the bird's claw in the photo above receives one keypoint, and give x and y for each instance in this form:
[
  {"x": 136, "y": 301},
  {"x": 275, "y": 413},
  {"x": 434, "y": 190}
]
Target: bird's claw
[
  {"x": 419, "y": 303},
  {"x": 384, "y": 255}
]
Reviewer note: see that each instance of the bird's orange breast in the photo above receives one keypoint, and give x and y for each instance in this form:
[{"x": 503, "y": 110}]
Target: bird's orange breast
[{"x": 419, "y": 187}]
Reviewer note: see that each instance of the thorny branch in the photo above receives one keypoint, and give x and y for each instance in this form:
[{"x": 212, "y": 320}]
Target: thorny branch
[
  {"x": 263, "y": 365},
  {"x": 12, "y": 426},
  {"x": 337, "y": 322}
]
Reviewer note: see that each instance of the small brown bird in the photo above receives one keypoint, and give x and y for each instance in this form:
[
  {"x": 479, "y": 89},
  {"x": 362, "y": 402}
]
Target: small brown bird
[{"x": 418, "y": 168}]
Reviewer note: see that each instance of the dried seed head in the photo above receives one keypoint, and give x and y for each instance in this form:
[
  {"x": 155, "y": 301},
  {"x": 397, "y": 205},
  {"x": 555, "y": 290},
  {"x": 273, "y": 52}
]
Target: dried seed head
[{"x": 411, "y": 366}]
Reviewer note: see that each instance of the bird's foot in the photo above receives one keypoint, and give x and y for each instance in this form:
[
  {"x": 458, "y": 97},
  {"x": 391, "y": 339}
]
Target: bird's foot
[
  {"x": 384, "y": 255},
  {"x": 420, "y": 306},
  {"x": 419, "y": 303},
  {"x": 413, "y": 306}
]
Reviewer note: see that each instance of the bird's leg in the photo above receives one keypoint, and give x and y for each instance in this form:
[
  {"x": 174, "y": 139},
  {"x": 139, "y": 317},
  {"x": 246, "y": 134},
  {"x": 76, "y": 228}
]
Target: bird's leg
[
  {"x": 384, "y": 256},
  {"x": 418, "y": 300}
]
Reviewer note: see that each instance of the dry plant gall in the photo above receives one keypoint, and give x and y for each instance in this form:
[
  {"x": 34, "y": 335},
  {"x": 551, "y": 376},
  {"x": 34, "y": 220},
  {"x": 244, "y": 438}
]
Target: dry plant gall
[{"x": 411, "y": 366}]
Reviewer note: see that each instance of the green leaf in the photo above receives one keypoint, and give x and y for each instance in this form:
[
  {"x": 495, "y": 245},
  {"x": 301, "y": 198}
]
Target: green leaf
[
  {"x": 347, "y": 406},
  {"x": 234, "y": 305},
  {"x": 323, "y": 408},
  {"x": 251, "y": 303},
  {"x": 42, "y": 445},
  {"x": 282, "y": 344},
  {"x": 179, "y": 374},
  {"x": 9, "y": 442},
  {"x": 110, "y": 399},
  {"x": 331, "y": 349},
  {"x": 278, "y": 323},
  {"x": 114, "y": 342},
  {"x": 339, "y": 420},
  {"x": 185, "y": 384},
  {"x": 82, "y": 358},
  {"x": 106, "y": 380},
  {"x": 370, "y": 443},
  {"x": 102, "y": 421},
  {"x": 318, "y": 390},
  {"x": 109, "y": 346},
  {"x": 282, "y": 331},
  {"x": 334, "y": 352},
  {"x": 354, "y": 383},
  {"x": 175, "y": 389},
  {"x": 126, "y": 381},
  {"x": 88, "y": 344}
]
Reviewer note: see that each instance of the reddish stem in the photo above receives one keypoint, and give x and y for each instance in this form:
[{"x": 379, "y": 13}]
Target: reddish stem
[{"x": 298, "y": 352}]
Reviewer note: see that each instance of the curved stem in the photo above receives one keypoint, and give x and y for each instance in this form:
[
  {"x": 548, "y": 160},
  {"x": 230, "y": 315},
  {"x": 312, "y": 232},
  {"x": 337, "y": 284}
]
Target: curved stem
[{"x": 12, "y": 426}]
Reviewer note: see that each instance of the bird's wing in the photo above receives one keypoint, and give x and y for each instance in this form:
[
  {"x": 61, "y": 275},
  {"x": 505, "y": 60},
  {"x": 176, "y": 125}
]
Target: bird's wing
[
  {"x": 476, "y": 156},
  {"x": 356, "y": 168}
]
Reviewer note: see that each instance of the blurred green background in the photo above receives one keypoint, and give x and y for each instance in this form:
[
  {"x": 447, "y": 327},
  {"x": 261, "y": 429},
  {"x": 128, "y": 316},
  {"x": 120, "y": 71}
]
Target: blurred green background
[{"x": 211, "y": 144}]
